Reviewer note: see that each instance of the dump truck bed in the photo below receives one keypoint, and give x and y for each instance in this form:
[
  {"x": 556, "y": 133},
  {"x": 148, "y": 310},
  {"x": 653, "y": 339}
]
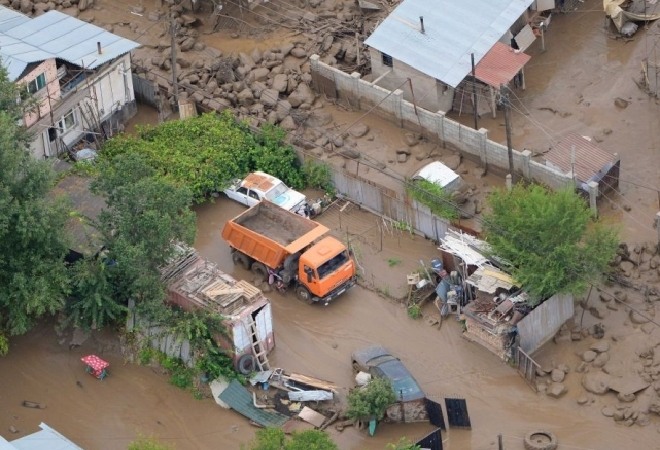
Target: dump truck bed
[
  {"x": 275, "y": 223},
  {"x": 269, "y": 233}
]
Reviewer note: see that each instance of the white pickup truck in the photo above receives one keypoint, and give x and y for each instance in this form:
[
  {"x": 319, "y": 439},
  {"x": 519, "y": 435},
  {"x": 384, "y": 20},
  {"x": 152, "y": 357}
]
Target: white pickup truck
[{"x": 259, "y": 186}]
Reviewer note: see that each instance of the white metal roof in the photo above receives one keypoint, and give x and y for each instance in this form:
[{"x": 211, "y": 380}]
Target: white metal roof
[
  {"x": 55, "y": 35},
  {"x": 46, "y": 439},
  {"x": 453, "y": 30},
  {"x": 438, "y": 173},
  {"x": 10, "y": 18}
]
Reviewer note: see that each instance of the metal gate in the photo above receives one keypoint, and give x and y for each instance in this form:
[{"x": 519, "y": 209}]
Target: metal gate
[
  {"x": 527, "y": 367},
  {"x": 434, "y": 410},
  {"x": 457, "y": 413},
  {"x": 432, "y": 441}
]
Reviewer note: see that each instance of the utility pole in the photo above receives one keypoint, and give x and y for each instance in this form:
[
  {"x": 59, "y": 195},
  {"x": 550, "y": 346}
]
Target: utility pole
[
  {"x": 175, "y": 84},
  {"x": 505, "y": 102},
  {"x": 474, "y": 94}
]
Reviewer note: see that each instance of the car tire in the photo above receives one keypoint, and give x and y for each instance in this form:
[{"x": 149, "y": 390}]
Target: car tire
[
  {"x": 304, "y": 295},
  {"x": 540, "y": 440},
  {"x": 241, "y": 259},
  {"x": 246, "y": 364},
  {"x": 260, "y": 271}
]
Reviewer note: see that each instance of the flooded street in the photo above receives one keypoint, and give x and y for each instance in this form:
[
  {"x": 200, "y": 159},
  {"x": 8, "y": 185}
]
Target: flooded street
[{"x": 571, "y": 87}]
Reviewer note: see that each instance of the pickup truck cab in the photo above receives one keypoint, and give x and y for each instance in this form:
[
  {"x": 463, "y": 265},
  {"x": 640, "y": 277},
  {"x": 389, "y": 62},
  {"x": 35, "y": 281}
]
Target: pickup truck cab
[{"x": 259, "y": 186}]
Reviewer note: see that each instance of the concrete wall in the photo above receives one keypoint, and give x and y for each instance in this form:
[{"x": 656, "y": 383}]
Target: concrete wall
[
  {"x": 539, "y": 326},
  {"x": 435, "y": 126}
]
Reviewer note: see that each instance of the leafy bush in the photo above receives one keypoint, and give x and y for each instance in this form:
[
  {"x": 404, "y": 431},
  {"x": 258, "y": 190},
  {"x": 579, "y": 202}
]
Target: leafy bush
[
  {"x": 275, "y": 439},
  {"x": 147, "y": 443},
  {"x": 206, "y": 153},
  {"x": 434, "y": 197},
  {"x": 370, "y": 401},
  {"x": 319, "y": 175},
  {"x": 414, "y": 311},
  {"x": 403, "y": 444}
]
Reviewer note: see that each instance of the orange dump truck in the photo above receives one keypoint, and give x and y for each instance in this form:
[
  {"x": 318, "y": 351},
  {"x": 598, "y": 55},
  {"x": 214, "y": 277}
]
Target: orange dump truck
[{"x": 267, "y": 237}]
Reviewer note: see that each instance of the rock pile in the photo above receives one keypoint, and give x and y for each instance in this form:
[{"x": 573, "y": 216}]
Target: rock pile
[
  {"x": 38, "y": 7},
  {"x": 640, "y": 261}
]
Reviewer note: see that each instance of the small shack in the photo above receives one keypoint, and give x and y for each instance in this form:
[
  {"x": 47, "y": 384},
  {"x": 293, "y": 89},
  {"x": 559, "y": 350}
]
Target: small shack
[{"x": 577, "y": 156}]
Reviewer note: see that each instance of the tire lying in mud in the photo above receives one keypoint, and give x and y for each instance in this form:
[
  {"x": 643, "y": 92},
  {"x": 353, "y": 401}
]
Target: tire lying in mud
[
  {"x": 246, "y": 364},
  {"x": 540, "y": 440}
]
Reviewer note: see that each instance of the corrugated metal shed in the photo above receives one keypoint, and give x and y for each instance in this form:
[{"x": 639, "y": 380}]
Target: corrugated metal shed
[
  {"x": 452, "y": 31},
  {"x": 591, "y": 162},
  {"x": 57, "y": 35},
  {"x": 500, "y": 65},
  {"x": 240, "y": 400}
]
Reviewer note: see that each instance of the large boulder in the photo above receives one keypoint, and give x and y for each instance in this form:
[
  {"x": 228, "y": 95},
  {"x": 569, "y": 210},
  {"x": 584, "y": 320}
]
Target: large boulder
[
  {"x": 245, "y": 97},
  {"x": 303, "y": 94},
  {"x": 596, "y": 382},
  {"x": 269, "y": 97},
  {"x": 280, "y": 82}
]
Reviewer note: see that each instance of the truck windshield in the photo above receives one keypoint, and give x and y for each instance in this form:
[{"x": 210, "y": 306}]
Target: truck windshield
[
  {"x": 278, "y": 190},
  {"x": 332, "y": 264}
]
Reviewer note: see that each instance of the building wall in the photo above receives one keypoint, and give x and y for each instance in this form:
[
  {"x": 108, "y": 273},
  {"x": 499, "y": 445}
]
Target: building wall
[
  {"x": 435, "y": 126},
  {"x": 426, "y": 92},
  {"x": 52, "y": 90}
]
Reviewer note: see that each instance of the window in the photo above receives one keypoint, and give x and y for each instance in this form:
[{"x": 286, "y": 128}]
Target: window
[
  {"x": 67, "y": 122},
  {"x": 37, "y": 84},
  {"x": 242, "y": 190},
  {"x": 387, "y": 60},
  {"x": 254, "y": 195}
]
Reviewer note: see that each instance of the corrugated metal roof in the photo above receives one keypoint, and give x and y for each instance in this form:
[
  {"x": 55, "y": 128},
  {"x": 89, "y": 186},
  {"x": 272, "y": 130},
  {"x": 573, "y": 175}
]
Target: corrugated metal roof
[
  {"x": 500, "y": 65},
  {"x": 56, "y": 35},
  {"x": 590, "y": 160},
  {"x": 453, "y": 30},
  {"x": 47, "y": 438},
  {"x": 10, "y": 18},
  {"x": 240, "y": 400}
]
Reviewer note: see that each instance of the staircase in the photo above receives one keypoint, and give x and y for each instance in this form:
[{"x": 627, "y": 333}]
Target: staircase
[{"x": 258, "y": 347}]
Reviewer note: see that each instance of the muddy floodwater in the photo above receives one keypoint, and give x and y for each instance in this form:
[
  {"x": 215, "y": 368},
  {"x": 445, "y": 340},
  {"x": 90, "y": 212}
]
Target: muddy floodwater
[{"x": 310, "y": 339}]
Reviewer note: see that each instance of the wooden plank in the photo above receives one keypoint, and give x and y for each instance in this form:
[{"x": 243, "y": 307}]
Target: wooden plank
[
  {"x": 310, "y": 416},
  {"x": 313, "y": 382}
]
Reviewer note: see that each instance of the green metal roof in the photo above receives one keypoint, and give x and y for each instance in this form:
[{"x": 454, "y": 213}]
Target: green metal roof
[{"x": 240, "y": 400}]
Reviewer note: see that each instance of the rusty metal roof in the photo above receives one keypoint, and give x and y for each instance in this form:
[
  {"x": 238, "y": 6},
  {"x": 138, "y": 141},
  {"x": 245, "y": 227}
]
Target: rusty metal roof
[
  {"x": 500, "y": 65},
  {"x": 591, "y": 162},
  {"x": 260, "y": 181}
]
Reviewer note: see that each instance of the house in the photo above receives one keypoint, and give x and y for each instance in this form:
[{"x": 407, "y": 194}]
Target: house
[
  {"x": 425, "y": 49},
  {"x": 80, "y": 73},
  {"x": 46, "y": 439}
]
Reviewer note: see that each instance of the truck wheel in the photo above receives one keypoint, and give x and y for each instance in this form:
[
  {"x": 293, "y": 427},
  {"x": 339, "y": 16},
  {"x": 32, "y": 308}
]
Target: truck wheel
[
  {"x": 260, "y": 271},
  {"x": 303, "y": 294},
  {"x": 241, "y": 259},
  {"x": 540, "y": 440},
  {"x": 246, "y": 364}
]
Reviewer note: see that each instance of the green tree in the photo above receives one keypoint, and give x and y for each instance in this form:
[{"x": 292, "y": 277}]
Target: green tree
[
  {"x": 275, "y": 439},
  {"x": 145, "y": 214},
  {"x": 549, "y": 239},
  {"x": 33, "y": 242},
  {"x": 370, "y": 401}
]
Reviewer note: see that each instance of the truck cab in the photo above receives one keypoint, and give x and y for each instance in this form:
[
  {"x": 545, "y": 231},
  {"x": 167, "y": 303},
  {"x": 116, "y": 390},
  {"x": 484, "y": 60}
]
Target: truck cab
[{"x": 325, "y": 271}]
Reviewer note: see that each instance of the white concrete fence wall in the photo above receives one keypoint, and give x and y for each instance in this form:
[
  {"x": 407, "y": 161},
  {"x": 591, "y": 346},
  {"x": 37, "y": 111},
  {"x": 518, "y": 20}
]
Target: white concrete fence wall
[{"x": 434, "y": 125}]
